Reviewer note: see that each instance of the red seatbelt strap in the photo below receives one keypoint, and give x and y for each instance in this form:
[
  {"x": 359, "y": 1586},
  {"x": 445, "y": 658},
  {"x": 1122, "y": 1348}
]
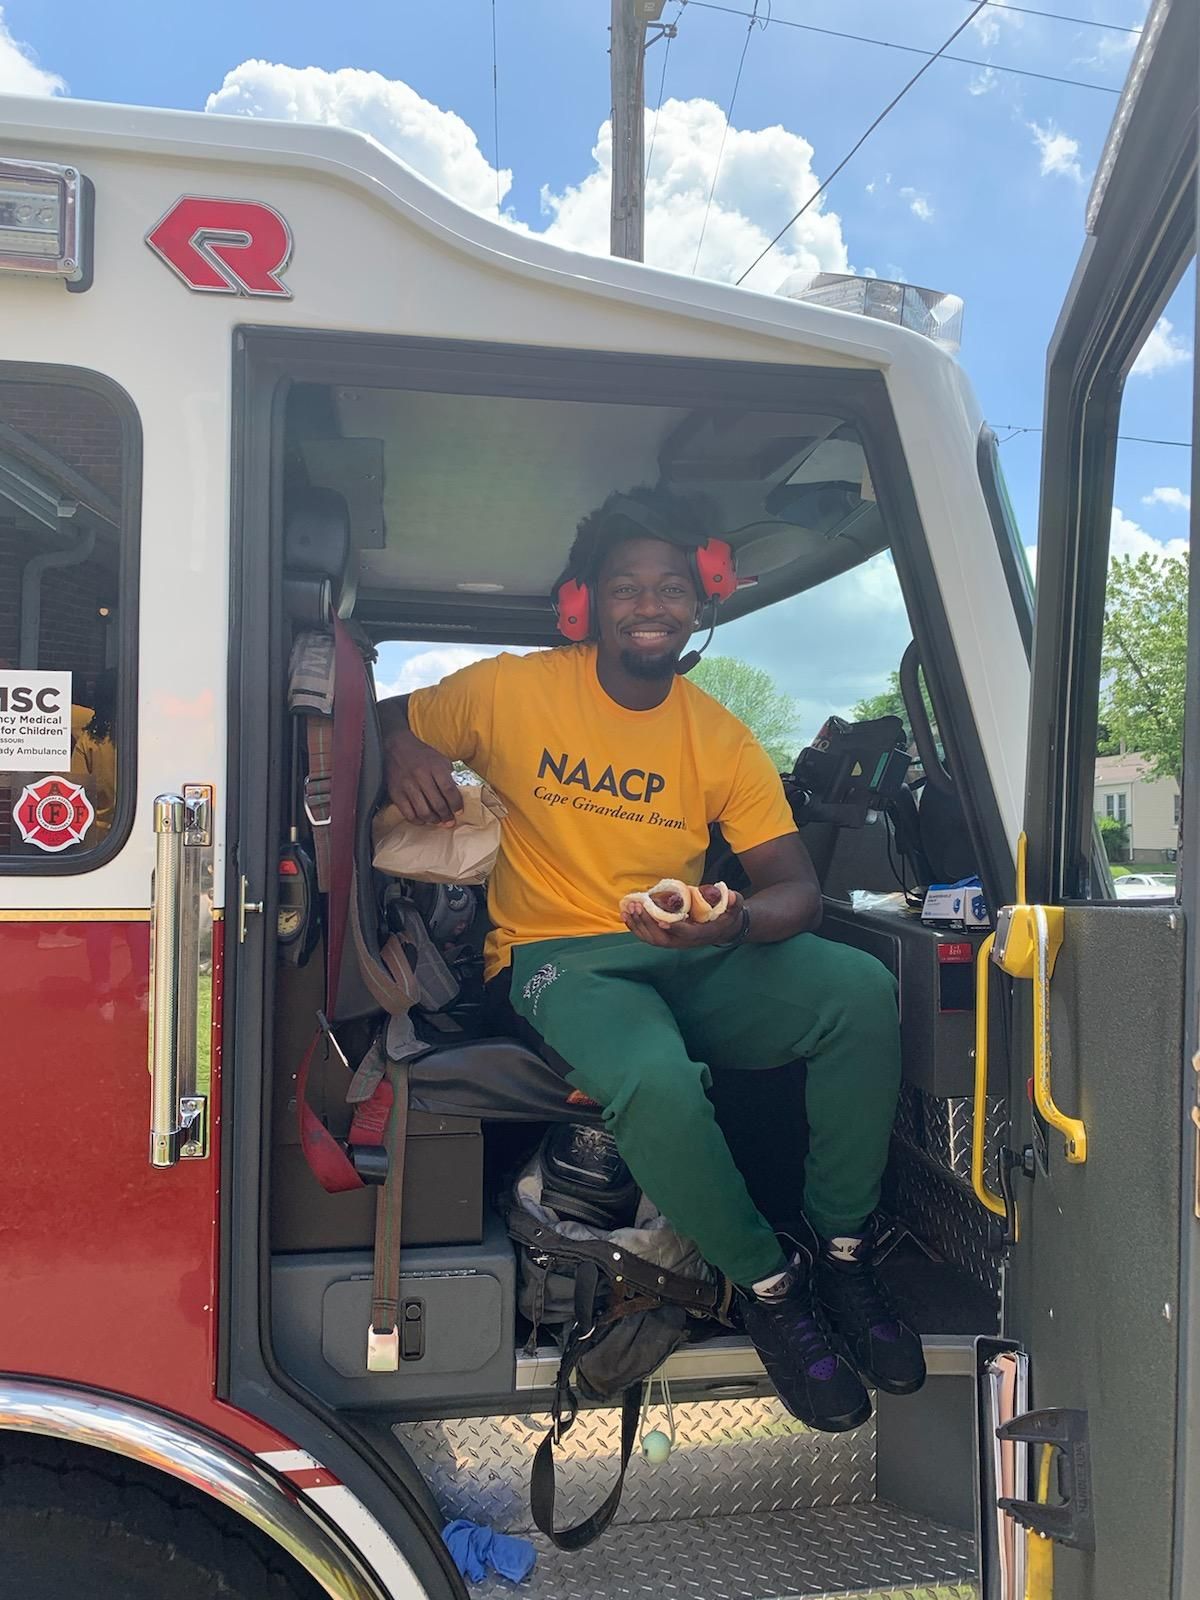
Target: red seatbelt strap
[{"x": 328, "y": 1161}]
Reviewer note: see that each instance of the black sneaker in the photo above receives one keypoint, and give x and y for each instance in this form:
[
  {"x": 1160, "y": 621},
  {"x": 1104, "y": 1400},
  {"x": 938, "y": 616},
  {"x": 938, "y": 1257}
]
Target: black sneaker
[
  {"x": 816, "y": 1384},
  {"x": 884, "y": 1348}
]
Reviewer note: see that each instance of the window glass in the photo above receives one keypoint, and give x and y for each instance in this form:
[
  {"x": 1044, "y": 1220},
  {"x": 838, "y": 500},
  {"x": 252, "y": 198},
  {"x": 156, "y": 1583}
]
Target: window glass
[
  {"x": 783, "y": 670},
  {"x": 65, "y": 568},
  {"x": 1013, "y": 555},
  {"x": 1143, "y": 667}
]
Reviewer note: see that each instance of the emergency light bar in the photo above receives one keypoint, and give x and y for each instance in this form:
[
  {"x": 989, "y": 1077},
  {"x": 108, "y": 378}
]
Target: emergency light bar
[
  {"x": 929, "y": 312},
  {"x": 45, "y": 214}
]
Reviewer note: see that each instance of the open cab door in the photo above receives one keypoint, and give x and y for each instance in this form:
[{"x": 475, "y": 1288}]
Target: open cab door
[{"x": 1102, "y": 1181}]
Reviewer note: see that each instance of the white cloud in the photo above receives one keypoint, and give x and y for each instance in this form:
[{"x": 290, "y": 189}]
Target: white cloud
[
  {"x": 829, "y": 647},
  {"x": 399, "y": 672},
  {"x": 992, "y": 21},
  {"x": 766, "y": 173},
  {"x": 1128, "y": 539},
  {"x": 1058, "y": 151},
  {"x": 428, "y": 665},
  {"x": 1161, "y": 350},
  {"x": 19, "y": 71},
  {"x": 1177, "y": 499},
  {"x": 1110, "y": 49},
  {"x": 983, "y": 82},
  {"x": 437, "y": 143},
  {"x": 918, "y": 204}
]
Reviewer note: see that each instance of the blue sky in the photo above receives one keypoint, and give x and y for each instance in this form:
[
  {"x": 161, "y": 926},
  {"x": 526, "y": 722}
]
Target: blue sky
[{"x": 976, "y": 183}]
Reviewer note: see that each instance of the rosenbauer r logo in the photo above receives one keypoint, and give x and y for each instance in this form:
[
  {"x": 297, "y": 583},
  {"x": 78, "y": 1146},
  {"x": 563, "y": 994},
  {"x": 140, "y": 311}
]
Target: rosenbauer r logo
[{"x": 224, "y": 246}]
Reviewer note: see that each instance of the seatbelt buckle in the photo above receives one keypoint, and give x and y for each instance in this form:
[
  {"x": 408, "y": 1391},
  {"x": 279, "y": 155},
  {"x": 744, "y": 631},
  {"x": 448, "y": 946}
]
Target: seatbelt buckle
[
  {"x": 383, "y": 1350},
  {"x": 326, "y": 1028},
  {"x": 316, "y": 799}
]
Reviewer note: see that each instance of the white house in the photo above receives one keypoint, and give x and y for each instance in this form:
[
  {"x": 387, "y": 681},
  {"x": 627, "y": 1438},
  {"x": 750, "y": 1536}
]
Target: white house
[{"x": 1149, "y": 805}]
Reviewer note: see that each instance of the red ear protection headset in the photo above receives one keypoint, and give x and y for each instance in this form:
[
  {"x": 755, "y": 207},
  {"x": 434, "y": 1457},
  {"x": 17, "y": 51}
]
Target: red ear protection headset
[{"x": 714, "y": 572}]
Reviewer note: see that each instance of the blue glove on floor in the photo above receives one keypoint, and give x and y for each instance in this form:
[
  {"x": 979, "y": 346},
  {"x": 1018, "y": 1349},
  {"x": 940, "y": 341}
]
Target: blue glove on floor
[{"x": 474, "y": 1548}]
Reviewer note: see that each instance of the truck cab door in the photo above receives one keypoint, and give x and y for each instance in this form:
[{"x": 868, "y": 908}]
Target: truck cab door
[{"x": 1103, "y": 989}]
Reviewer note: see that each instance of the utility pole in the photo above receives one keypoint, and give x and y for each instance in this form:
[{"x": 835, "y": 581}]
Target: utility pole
[{"x": 628, "y": 54}]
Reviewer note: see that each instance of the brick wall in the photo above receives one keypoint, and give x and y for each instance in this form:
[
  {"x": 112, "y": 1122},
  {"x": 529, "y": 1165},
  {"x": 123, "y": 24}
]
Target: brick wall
[{"x": 74, "y": 424}]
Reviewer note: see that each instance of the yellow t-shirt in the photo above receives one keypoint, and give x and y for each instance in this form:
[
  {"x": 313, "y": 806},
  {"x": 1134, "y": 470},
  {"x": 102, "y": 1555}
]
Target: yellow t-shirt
[{"x": 601, "y": 800}]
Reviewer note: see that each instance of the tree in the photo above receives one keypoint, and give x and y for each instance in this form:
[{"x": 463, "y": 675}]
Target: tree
[
  {"x": 752, "y": 695},
  {"x": 1115, "y": 837},
  {"x": 890, "y": 703},
  {"x": 1144, "y": 658}
]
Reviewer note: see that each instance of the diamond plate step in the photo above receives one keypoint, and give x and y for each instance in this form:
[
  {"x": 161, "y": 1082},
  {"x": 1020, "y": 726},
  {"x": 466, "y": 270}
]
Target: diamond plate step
[
  {"x": 869, "y": 1552},
  {"x": 731, "y": 1458}
]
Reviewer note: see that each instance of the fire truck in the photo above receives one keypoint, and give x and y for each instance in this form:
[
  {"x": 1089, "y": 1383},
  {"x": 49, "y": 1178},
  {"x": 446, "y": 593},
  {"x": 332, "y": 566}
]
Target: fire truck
[{"x": 255, "y": 377}]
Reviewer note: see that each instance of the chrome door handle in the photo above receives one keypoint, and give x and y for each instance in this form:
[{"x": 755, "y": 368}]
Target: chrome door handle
[
  {"x": 178, "y": 1097},
  {"x": 247, "y": 907}
]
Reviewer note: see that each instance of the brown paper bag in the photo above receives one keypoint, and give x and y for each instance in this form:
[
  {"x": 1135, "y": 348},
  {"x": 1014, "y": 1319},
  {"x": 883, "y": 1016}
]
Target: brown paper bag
[{"x": 465, "y": 853}]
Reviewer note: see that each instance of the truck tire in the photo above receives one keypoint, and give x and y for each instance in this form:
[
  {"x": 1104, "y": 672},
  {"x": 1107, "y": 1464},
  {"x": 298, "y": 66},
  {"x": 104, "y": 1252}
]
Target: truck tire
[{"x": 96, "y": 1527}]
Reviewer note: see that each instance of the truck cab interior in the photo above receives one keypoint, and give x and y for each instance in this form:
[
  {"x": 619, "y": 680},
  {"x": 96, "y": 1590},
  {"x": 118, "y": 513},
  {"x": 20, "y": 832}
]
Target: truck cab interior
[{"x": 428, "y": 493}]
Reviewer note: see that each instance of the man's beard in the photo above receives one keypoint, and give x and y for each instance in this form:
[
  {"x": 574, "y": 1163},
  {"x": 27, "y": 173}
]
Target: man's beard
[{"x": 651, "y": 668}]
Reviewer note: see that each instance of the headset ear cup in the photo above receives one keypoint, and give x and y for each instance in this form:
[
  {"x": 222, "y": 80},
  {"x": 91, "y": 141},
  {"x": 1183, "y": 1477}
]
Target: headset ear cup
[
  {"x": 716, "y": 568},
  {"x": 573, "y": 603}
]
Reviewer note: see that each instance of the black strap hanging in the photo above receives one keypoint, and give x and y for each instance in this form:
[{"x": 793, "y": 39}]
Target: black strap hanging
[{"x": 565, "y": 1407}]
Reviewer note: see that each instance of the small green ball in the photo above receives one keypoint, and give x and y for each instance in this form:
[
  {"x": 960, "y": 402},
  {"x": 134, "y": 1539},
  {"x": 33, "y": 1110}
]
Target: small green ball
[{"x": 656, "y": 1447}]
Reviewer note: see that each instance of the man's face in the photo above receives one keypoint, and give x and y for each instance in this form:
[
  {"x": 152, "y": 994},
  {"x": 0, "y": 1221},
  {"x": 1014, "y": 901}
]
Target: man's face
[{"x": 645, "y": 605}]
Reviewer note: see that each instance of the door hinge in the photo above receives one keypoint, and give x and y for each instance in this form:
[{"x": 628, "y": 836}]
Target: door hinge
[{"x": 1065, "y": 1431}]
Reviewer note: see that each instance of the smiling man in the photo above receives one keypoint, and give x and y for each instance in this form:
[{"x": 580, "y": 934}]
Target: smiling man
[{"x": 613, "y": 767}]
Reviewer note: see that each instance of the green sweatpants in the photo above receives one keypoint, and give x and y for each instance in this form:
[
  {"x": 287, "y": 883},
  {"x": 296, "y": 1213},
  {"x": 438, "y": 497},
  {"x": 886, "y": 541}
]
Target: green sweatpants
[{"x": 640, "y": 1028}]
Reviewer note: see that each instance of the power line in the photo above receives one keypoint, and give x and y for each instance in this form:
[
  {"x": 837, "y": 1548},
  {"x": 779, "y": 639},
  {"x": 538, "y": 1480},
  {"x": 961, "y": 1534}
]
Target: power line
[
  {"x": 495, "y": 107},
  {"x": 894, "y": 101},
  {"x": 668, "y": 33},
  {"x": 916, "y": 50},
  {"x": 1012, "y": 430},
  {"x": 1057, "y": 16},
  {"x": 725, "y": 133}
]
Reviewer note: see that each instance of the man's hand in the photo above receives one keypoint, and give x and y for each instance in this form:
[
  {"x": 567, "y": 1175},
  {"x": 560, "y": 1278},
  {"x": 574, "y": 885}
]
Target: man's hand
[
  {"x": 686, "y": 935},
  {"x": 420, "y": 780}
]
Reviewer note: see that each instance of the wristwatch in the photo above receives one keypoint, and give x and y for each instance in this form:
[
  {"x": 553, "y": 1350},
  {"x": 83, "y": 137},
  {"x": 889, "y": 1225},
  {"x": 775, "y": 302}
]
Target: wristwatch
[{"x": 742, "y": 933}]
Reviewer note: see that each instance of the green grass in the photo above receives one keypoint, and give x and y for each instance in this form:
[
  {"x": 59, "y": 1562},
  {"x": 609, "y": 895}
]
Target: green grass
[{"x": 204, "y": 1033}]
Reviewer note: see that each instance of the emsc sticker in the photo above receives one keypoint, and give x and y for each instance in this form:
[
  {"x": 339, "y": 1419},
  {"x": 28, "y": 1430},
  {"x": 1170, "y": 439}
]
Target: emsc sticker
[{"x": 53, "y": 814}]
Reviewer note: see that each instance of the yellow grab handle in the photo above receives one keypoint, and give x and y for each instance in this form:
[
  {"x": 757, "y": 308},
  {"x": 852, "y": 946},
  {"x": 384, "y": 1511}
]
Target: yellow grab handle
[
  {"x": 1039, "y": 1551},
  {"x": 983, "y": 1194},
  {"x": 1071, "y": 1128}
]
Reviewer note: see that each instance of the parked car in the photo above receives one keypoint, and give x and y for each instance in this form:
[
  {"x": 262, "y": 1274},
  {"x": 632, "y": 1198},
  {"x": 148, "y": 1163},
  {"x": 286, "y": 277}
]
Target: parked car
[{"x": 1145, "y": 886}]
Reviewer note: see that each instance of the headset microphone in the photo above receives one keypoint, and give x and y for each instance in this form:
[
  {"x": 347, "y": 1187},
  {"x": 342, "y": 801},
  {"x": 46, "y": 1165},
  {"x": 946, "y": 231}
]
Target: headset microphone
[{"x": 692, "y": 659}]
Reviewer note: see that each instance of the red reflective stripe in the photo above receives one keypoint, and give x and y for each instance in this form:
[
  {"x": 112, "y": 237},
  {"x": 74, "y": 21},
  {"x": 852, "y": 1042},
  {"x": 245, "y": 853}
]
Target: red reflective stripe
[{"x": 313, "y": 1478}]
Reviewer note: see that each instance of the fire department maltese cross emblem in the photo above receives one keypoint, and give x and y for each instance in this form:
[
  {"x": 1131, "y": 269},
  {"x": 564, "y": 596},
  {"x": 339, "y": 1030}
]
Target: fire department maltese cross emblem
[{"x": 53, "y": 813}]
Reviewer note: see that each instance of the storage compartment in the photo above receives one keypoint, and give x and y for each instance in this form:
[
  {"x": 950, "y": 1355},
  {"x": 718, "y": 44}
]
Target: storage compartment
[
  {"x": 443, "y": 1193},
  {"x": 458, "y": 1308},
  {"x": 937, "y": 996}
]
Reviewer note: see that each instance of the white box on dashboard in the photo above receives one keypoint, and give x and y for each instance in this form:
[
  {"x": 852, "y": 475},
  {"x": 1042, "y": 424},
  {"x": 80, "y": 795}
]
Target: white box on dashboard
[{"x": 957, "y": 905}]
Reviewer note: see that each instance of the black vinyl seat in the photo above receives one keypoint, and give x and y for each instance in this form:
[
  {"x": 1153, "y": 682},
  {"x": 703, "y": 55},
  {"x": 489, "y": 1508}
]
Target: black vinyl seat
[{"x": 495, "y": 1080}]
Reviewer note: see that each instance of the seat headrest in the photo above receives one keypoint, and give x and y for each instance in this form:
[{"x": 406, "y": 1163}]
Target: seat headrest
[
  {"x": 320, "y": 571},
  {"x": 316, "y": 533}
]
